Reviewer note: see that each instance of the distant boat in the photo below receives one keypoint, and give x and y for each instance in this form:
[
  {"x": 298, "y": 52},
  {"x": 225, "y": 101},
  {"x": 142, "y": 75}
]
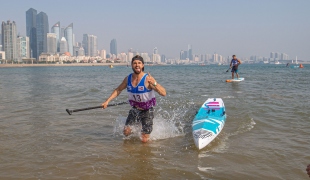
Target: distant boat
[
  {"x": 296, "y": 60},
  {"x": 111, "y": 66}
]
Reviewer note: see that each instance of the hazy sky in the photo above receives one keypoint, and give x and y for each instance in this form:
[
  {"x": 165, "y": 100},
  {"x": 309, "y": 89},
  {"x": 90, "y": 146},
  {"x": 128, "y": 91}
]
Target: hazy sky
[{"x": 241, "y": 27}]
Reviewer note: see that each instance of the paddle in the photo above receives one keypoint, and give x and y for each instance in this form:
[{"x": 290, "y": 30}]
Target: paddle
[
  {"x": 228, "y": 69},
  {"x": 95, "y": 107}
]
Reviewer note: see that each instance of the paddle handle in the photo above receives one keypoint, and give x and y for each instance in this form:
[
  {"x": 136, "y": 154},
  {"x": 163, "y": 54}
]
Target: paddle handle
[{"x": 95, "y": 107}]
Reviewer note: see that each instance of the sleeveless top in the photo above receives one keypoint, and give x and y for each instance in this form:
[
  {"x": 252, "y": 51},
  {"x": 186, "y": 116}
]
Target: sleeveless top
[
  {"x": 234, "y": 62},
  {"x": 139, "y": 96}
]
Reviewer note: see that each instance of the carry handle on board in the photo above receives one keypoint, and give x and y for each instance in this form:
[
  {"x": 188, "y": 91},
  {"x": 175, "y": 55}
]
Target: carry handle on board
[{"x": 95, "y": 107}]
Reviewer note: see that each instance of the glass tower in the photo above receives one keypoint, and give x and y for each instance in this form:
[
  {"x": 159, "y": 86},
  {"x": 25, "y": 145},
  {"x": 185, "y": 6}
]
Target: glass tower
[
  {"x": 90, "y": 45},
  {"x": 190, "y": 52},
  {"x": 68, "y": 32},
  {"x": 113, "y": 47},
  {"x": 42, "y": 30},
  {"x": 31, "y": 30}
]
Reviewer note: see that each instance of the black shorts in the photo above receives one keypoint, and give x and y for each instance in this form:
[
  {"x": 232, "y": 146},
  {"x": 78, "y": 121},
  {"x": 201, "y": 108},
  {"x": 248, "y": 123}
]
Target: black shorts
[{"x": 145, "y": 117}]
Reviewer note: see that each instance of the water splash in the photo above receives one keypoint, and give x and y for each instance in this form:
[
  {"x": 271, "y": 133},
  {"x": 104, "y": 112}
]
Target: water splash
[{"x": 166, "y": 124}]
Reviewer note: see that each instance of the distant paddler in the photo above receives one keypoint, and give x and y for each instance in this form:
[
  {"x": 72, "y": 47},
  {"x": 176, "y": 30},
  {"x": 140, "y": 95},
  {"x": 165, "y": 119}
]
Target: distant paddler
[{"x": 141, "y": 88}]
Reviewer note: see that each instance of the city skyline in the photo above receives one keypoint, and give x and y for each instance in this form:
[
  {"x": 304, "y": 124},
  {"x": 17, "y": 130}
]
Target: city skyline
[{"x": 244, "y": 28}]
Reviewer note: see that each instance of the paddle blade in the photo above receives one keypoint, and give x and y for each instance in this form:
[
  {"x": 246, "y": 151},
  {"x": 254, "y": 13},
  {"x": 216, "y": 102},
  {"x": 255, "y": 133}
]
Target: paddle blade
[{"x": 68, "y": 111}]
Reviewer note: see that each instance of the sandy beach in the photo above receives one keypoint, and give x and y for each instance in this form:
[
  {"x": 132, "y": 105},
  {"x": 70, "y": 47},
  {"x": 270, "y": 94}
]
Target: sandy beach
[{"x": 59, "y": 65}]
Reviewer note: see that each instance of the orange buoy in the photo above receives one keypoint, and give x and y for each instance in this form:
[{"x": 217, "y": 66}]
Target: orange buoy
[{"x": 301, "y": 66}]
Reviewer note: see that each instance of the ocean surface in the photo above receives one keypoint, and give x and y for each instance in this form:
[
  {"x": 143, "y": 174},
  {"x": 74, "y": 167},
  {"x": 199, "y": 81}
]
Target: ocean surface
[{"x": 266, "y": 135}]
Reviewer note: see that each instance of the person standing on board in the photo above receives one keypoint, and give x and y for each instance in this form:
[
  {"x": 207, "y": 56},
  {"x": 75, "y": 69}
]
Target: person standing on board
[
  {"x": 141, "y": 96},
  {"x": 234, "y": 66}
]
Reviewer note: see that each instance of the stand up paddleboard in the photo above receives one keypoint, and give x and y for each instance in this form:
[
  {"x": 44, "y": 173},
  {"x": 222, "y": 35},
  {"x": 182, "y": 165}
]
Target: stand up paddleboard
[
  {"x": 235, "y": 80},
  {"x": 208, "y": 122}
]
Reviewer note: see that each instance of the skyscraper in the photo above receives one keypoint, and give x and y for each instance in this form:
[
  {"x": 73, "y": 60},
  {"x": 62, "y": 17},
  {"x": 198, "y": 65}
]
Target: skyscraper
[
  {"x": 63, "y": 45},
  {"x": 62, "y": 32},
  {"x": 9, "y": 40},
  {"x": 23, "y": 48},
  {"x": 68, "y": 32},
  {"x": 56, "y": 29},
  {"x": 85, "y": 44},
  {"x": 42, "y": 30},
  {"x": 182, "y": 55},
  {"x": 31, "y": 30},
  {"x": 155, "y": 50},
  {"x": 90, "y": 45},
  {"x": 113, "y": 47},
  {"x": 51, "y": 43},
  {"x": 190, "y": 52},
  {"x": 163, "y": 58}
]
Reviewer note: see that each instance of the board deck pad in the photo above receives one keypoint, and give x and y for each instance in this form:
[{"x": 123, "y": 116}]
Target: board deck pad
[{"x": 208, "y": 122}]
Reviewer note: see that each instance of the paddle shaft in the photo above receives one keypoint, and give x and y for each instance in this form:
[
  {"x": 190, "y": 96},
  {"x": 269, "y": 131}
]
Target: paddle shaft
[
  {"x": 95, "y": 107},
  {"x": 228, "y": 69}
]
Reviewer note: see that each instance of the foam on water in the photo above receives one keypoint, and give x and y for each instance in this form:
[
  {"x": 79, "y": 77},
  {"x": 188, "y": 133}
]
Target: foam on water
[{"x": 246, "y": 126}]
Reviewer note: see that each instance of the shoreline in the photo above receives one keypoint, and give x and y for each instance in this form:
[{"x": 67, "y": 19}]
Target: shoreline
[{"x": 61, "y": 65}]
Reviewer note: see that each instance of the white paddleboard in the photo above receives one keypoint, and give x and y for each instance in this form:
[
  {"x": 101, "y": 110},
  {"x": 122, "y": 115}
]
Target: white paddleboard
[
  {"x": 208, "y": 122},
  {"x": 235, "y": 80}
]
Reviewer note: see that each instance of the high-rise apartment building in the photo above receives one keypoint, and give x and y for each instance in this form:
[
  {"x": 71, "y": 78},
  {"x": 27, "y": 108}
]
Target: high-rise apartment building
[
  {"x": 68, "y": 34},
  {"x": 42, "y": 30},
  {"x": 9, "y": 40},
  {"x": 31, "y": 30},
  {"x": 56, "y": 29},
  {"x": 113, "y": 47},
  {"x": 23, "y": 48},
  {"x": 51, "y": 43}
]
